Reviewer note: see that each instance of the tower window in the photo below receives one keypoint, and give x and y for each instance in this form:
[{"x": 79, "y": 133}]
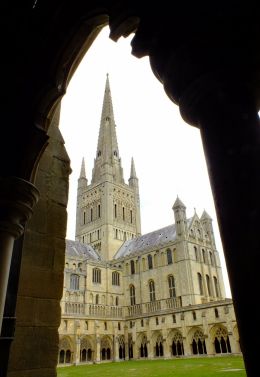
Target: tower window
[
  {"x": 132, "y": 294},
  {"x": 124, "y": 213},
  {"x": 99, "y": 212},
  {"x": 132, "y": 264},
  {"x": 194, "y": 316},
  {"x": 99, "y": 153},
  {"x": 174, "y": 318},
  {"x": 115, "y": 153},
  {"x": 115, "y": 210},
  {"x": 91, "y": 214},
  {"x": 131, "y": 216},
  {"x": 84, "y": 217},
  {"x": 216, "y": 313},
  {"x": 150, "y": 262},
  {"x": 169, "y": 256},
  {"x": 200, "y": 284},
  {"x": 115, "y": 278},
  {"x": 74, "y": 282},
  {"x": 96, "y": 275},
  {"x": 152, "y": 290},
  {"x": 171, "y": 283}
]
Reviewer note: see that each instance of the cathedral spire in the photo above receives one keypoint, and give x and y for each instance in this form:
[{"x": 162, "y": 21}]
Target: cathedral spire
[
  {"x": 82, "y": 170},
  {"x": 107, "y": 163},
  {"x": 132, "y": 173}
]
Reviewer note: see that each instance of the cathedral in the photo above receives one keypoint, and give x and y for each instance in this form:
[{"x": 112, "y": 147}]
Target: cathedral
[{"x": 129, "y": 295}]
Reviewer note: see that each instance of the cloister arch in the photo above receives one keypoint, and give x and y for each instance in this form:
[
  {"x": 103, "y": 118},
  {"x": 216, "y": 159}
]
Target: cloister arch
[{"x": 66, "y": 350}]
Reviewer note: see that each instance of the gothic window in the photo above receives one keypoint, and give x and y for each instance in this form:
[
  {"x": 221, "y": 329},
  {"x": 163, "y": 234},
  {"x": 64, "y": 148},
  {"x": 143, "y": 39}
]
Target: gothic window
[
  {"x": 84, "y": 217},
  {"x": 221, "y": 342},
  {"x": 96, "y": 275},
  {"x": 177, "y": 344},
  {"x": 99, "y": 153},
  {"x": 142, "y": 323},
  {"x": 115, "y": 278},
  {"x": 97, "y": 299},
  {"x": 74, "y": 282},
  {"x": 132, "y": 264},
  {"x": 150, "y": 261},
  {"x": 169, "y": 256},
  {"x": 157, "y": 321},
  {"x": 123, "y": 213},
  {"x": 91, "y": 214},
  {"x": 216, "y": 286},
  {"x": 99, "y": 211},
  {"x": 208, "y": 285},
  {"x": 131, "y": 216},
  {"x": 171, "y": 283},
  {"x": 198, "y": 343},
  {"x": 196, "y": 254},
  {"x": 117, "y": 301},
  {"x": 174, "y": 318},
  {"x": 115, "y": 153},
  {"x": 194, "y": 316},
  {"x": 105, "y": 326},
  {"x": 211, "y": 258},
  {"x": 200, "y": 284},
  {"x": 152, "y": 290},
  {"x": 119, "y": 326},
  {"x": 115, "y": 211},
  {"x": 216, "y": 313},
  {"x": 132, "y": 294}
]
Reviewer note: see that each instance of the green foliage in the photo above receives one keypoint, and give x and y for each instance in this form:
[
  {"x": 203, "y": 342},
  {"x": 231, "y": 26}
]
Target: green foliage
[{"x": 225, "y": 366}]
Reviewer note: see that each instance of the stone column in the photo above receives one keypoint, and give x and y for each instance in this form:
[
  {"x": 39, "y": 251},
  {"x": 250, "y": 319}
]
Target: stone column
[
  {"x": 77, "y": 351},
  {"x": 17, "y": 198},
  {"x": 126, "y": 343},
  {"x": 116, "y": 350}
]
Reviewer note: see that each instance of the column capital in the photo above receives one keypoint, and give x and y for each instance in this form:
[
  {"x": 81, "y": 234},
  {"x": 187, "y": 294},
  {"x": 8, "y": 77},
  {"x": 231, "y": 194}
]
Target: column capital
[{"x": 17, "y": 198}]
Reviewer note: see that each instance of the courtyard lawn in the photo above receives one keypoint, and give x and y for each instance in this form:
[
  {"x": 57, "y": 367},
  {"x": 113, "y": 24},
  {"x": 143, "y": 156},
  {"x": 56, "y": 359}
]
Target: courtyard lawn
[{"x": 226, "y": 366}]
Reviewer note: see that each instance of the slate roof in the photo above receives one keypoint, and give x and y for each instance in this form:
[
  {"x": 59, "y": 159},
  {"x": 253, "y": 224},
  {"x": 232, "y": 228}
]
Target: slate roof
[
  {"x": 78, "y": 249},
  {"x": 146, "y": 241}
]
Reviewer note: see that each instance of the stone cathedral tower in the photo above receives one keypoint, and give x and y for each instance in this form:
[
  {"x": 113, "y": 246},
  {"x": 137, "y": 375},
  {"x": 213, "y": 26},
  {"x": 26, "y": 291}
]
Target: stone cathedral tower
[{"x": 108, "y": 209}]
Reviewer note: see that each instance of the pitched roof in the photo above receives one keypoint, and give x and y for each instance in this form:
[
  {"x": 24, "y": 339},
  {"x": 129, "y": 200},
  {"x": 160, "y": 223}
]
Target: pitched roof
[
  {"x": 78, "y": 249},
  {"x": 154, "y": 239}
]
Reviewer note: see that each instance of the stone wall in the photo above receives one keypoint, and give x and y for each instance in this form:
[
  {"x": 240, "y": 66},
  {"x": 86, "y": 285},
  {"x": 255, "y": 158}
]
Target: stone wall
[{"x": 35, "y": 348}]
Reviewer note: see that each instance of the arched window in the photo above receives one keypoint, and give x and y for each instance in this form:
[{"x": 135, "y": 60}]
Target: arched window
[
  {"x": 200, "y": 284},
  {"x": 131, "y": 216},
  {"x": 194, "y": 315},
  {"x": 91, "y": 214},
  {"x": 169, "y": 256},
  {"x": 171, "y": 283},
  {"x": 150, "y": 262},
  {"x": 196, "y": 254},
  {"x": 208, "y": 285},
  {"x": 97, "y": 299},
  {"x": 84, "y": 217},
  {"x": 211, "y": 258},
  {"x": 117, "y": 301},
  {"x": 204, "y": 256},
  {"x": 99, "y": 210},
  {"x": 96, "y": 275},
  {"x": 132, "y": 264},
  {"x": 115, "y": 278},
  {"x": 123, "y": 210},
  {"x": 132, "y": 294},
  {"x": 216, "y": 313},
  {"x": 216, "y": 286},
  {"x": 74, "y": 282},
  {"x": 152, "y": 290},
  {"x": 115, "y": 211}
]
